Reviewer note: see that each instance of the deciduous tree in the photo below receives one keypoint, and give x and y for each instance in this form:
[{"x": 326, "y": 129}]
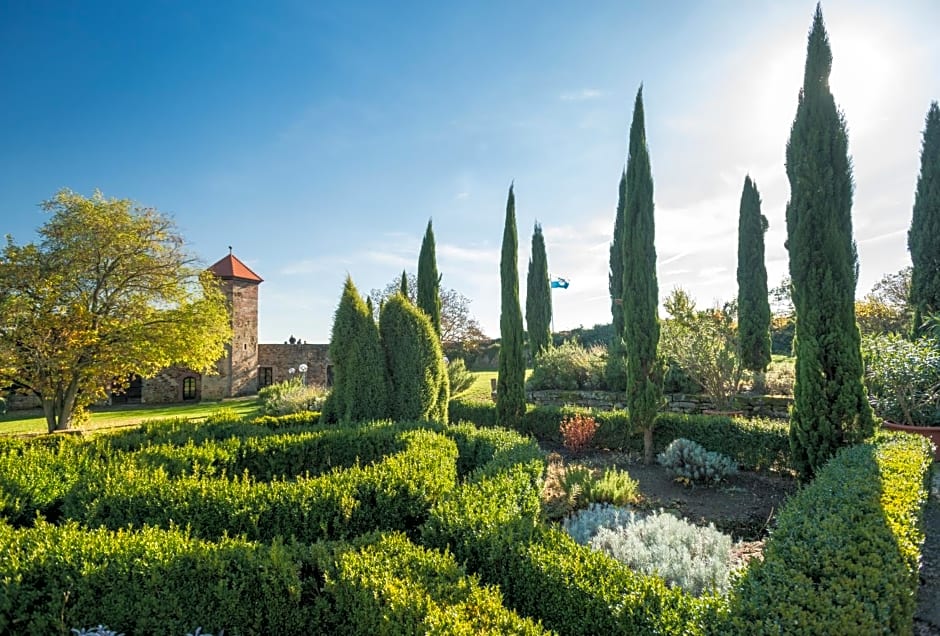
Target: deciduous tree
[
  {"x": 830, "y": 407},
  {"x": 108, "y": 291}
]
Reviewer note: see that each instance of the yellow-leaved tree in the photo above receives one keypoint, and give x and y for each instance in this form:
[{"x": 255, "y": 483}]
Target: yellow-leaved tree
[{"x": 108, "y": 291}]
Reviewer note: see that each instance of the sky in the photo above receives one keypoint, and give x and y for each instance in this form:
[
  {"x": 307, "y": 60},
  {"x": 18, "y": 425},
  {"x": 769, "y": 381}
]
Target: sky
[{"x": 318, "y": 138}]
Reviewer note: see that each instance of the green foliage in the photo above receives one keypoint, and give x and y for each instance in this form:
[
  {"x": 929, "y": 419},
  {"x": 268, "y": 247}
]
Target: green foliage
[
  {"x": 569, "y": 367},
  {"x": 830, "y": 407},
  {"x": 394, "y": 493},
  {"x": 705, "y": 345},
  {"x": 696, "y": 559},
  {"x": 284, "y": 398},
  {"x": 458, "y": 377},
  {"x": 360, "y": 385},
  {"x": 429, "y": 282},
  {"x": 151, "y": 581},
  {"x": 419, "y": 388},
  {"x": 689, "y": 461},
  {"x": 510, "y": 384},
  {"x": 538, "y": 298},
  {"x": 640, "y": 289},
  {"x": 903, "y": 378},
  {"x": 754, "y": 443},
  {"x": 844, "y": 556},
  {"x": 753, "y": 302},
  {"x": 616, "y": 371},
  {"x": 396, "y": 587},
  {"x": 613, "y": 486},
  {"x": 925, "y": 224},
  {"x": 78, "y": 309}
]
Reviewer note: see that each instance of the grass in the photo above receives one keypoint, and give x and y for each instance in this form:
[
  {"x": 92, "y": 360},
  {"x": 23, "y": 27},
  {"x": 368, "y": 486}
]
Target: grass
[
  {"x": 33, "y": 422},
  {"x": 480, "y": 390}
]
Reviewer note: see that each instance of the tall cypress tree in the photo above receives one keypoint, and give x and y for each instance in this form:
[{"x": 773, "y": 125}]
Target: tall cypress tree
[
  {"x": 923, "y": 239},
  {"x": 640, "y": 288},
  {"x": 538, "y": 297},
  {"x": 403, "y": 286},
  {"x": 753, "y": 300},
  {"x": 429, "y": 282},
  {"x": 419, "y": 388},
  {"x": 510, "y": 383},
  {"x": 616, "y": 371},
  {"x": 360, "y": 385},
  {"x": 830, "y": 407}
]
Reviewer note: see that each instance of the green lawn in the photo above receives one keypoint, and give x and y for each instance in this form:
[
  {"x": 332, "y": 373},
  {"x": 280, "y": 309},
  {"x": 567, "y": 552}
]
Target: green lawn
[
  {"x": 480, "y": 390},
  {"x": 19, "y": 422}
]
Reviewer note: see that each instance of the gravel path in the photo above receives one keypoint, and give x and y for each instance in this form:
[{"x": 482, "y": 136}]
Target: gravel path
[{"x": 927, "y": 618}]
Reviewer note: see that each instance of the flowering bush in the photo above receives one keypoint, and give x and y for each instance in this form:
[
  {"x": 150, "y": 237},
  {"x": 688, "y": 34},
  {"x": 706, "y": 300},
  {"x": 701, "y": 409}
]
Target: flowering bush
[
  {"x": 292, "y": 396},
  {"x": 577, "y": 432}
]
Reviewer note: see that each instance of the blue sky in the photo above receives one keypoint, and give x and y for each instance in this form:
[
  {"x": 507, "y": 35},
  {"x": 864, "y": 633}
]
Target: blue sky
[{"x": 318, "y": 138}]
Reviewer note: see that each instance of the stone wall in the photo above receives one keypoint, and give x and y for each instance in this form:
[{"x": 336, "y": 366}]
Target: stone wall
[
  {"x": 751, "y": 405},
  {"x": 281, "y": 357},
  {"x": 167, "y": 386}
]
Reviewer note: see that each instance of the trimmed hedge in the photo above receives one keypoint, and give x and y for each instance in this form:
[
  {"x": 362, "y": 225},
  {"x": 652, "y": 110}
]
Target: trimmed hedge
[
  {"x": 754, "y": 443},
  {"x": 492, "y": 526},
  {"x": 844, "y": 557},
  {"x": 396, "y": 587},
  {"x": 395, "y": 493},
  {"x": 153, "y": 581}
]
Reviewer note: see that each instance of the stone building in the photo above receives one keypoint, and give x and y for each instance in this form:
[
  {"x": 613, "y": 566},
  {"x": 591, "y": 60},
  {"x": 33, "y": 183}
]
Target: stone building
[{"x": 247, "y": 365}]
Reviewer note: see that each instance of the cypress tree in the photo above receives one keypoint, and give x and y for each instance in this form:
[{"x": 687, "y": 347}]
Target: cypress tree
[
  {"x": 538, "y": 298},
  {"x": 830, "y": 407},
  {"x": 429, "y": 291},
  {"x": 923, "y": 239},
  {"x": 510, "y": 383},
  {"x": 753, "y": 300},
  {"x": 640, "y": 288},
  {"x": 403, "y": 287},
  {"x": 360, "y": 386},
  {"x": 616, "y": 371},
  {"x": 419, "y": 388}
]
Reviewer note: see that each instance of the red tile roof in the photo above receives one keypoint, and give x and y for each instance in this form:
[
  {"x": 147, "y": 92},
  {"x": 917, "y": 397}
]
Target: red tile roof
[{"x": 230, "y": 267}]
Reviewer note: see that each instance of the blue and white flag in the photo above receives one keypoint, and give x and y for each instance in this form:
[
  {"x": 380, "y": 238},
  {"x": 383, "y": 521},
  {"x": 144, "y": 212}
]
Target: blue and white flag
[{"x": 559, "y": 283}]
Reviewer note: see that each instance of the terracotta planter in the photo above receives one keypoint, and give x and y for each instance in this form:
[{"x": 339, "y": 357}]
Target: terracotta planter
[{"x": 930, "y": 432}]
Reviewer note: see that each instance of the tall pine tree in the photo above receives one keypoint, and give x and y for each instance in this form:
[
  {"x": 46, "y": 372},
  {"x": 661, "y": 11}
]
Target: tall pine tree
[
  {"x": 830, "y": 407},
  {"x": 538, "y": 297},
  {"x": 616, "y": 371},
  {"x": 429, "y": 282},
  {"x": 753, "y": 300},
  {"x": 923, "y": 239},
  {"x": 510, "y": 383},
  {"x": 640, "y": 289}
]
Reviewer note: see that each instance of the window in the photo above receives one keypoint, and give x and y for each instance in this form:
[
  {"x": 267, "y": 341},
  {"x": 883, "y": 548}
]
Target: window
[
  {"x": 189, "y": 388},
  {"x": 265, "y": 376}
]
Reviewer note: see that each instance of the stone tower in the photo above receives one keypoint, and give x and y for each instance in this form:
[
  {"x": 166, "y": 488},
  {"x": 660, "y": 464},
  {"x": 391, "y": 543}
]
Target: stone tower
[{"x": 238, "y": 370}]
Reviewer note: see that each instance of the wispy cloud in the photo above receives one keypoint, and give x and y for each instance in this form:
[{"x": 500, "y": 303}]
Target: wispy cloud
[{"x": 582, "y": 95}]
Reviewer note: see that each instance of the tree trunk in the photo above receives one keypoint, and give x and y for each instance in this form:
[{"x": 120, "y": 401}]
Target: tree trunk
[{"x": 648, "y": 445}]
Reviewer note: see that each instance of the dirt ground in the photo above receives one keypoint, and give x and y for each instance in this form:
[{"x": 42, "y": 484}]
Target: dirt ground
[{"x": 745, "y": 506}]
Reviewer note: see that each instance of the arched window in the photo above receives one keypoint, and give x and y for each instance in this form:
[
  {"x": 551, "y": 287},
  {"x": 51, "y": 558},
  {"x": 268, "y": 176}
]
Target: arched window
[{"x": 189, "y": 388}]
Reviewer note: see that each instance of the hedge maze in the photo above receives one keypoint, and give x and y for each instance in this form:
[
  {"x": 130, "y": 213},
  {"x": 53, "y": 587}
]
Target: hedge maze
[{"x": 284, "y": 526}]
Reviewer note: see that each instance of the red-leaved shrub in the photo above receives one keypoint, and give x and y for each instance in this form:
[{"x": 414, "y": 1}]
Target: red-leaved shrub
[{"x": 577, "y": 432}]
